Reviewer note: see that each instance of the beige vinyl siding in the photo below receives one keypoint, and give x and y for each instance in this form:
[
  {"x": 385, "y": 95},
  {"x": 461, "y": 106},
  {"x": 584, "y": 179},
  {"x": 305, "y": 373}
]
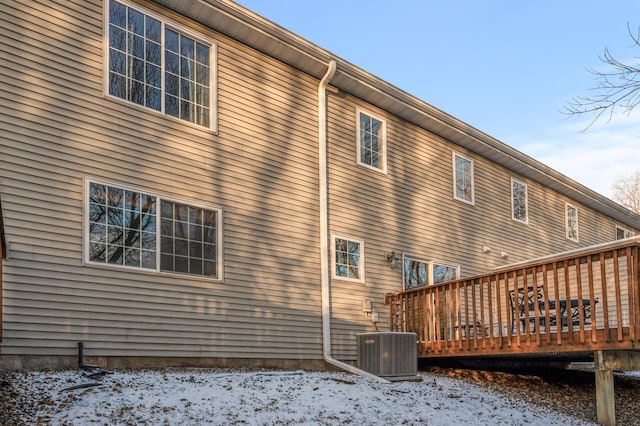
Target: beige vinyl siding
[
  {"x": 260, "y": 168},
  {"x": 412, "y": 210}
]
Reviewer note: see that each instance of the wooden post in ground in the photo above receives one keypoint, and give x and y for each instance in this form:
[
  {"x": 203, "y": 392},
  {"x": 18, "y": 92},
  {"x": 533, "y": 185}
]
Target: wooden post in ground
[
  {"x": 606, "y": 362},
  {"x": 605, "y": 394}
]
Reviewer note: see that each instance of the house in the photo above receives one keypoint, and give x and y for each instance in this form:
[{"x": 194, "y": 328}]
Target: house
[{"x": 184, "y": 182}]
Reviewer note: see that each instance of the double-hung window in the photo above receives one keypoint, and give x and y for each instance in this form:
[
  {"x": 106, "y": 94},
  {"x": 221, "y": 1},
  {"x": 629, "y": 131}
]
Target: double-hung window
[
  {"x": 463, "y": 178},
  {"x": 418, "y": 273},
  {"x": 134, "y": 229},
  {"x": 372, "y": 144},
  {"x": 348, "y": 259},
  {"x": 159, "y": 66},
  {"x": 519, "y": 201},
  {"x": 571, "y": 220}
]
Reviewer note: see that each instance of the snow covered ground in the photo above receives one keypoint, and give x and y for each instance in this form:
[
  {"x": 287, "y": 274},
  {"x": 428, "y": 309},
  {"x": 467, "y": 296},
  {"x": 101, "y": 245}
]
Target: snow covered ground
[{"x": 207, "y": 397}]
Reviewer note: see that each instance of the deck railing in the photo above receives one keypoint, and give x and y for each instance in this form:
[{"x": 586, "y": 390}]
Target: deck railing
[{"x": 576, "y": 302}]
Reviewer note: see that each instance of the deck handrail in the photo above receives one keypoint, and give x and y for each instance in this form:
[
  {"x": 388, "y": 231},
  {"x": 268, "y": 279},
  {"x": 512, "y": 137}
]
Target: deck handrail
[{"x": 576, "y": 301}]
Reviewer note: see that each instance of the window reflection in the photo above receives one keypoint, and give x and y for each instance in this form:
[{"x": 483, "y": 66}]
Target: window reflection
[
  {"x": 117, "y": 221},
  {"x": 418, "y": 273},
  {"x": 136, "y": 68}
]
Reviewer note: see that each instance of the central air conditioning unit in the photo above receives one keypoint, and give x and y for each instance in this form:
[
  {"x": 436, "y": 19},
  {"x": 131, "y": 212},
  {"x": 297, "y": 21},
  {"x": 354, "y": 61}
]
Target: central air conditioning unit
[{"x": 389, "y": 355}]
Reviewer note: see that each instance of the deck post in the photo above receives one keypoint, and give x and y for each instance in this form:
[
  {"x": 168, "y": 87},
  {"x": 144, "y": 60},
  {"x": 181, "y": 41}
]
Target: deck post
[
  {"x": 606, "y": 362},
  {"x": 605, "y": 395}
]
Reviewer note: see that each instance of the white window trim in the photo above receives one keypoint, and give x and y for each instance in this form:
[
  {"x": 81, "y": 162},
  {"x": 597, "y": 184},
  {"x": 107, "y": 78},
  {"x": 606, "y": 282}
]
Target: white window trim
[
  {"x": 213, "y": 90},
  {"x": 426, "y": 261},
  {"x": 625, "y": 230},
  {"x": 526, "y": 201},
  {"x": 446, "y": 264},
  {"x": 568, "y": 206},
  {"x": 383, "y": 160},
  {"x": 473, "y": 184},
  {"x": 333, "y": 259},
  {"x": 159, "y": 197},
  {"x": 430, "y": 268}
]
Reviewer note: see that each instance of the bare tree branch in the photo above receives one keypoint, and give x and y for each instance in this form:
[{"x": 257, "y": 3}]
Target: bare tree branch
[{"x": 617, "y": 88}]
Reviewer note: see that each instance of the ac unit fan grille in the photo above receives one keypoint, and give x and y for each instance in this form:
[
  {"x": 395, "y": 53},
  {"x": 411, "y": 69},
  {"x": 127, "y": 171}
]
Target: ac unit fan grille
[{"x": 388, "y": 354}]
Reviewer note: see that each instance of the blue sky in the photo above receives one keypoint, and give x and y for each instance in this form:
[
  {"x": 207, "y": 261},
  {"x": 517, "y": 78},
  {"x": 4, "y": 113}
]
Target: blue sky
[{"x": 505, "y": 67}]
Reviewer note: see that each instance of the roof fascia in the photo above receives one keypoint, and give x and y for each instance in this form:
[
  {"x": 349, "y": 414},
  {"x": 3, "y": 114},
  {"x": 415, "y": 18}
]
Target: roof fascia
[{"x": 249, "y": 28}]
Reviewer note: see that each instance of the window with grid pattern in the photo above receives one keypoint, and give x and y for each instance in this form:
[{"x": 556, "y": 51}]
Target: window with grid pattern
[
  {"x": 123, "y": 230},
  {"x": 571, "y": 217},
  {"x": 371, "y": 141},
  {"x": 348, "y": 259},
  {"x": 519, "y": 201},
  {"x": 463, "y": 179},
  {"x": 155, "y": 65}
]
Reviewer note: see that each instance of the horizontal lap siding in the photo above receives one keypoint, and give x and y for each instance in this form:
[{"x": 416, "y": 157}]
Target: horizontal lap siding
[
  {"x": 411, "y": 209},
  {"x": 260, "y": 168}
]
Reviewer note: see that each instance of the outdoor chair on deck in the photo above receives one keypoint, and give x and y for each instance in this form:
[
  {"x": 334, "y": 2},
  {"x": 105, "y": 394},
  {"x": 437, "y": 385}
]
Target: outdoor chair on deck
[
  {"x": 523, "y": 310},
  {"x": 571, "y": 311}
]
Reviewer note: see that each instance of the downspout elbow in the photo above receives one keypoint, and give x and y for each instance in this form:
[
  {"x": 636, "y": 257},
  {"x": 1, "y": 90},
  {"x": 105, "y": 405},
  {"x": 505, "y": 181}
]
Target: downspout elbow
[{"x": 324, "y": 230}]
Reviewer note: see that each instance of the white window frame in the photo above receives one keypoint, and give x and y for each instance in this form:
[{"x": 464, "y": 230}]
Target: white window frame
[
  {"x": 361, "y": 269},
  {"x": 455, "y": 178},
  {"x": 382, "y": 154},
  {"x": 515, "y": 182},
  {"x": 430, "y": 264},
  {"x": 627, "y": 233},
  {"x": 159, "y": 198},
  {"x": 165, "y": 22},
  {"x": 568, "y": 231}
]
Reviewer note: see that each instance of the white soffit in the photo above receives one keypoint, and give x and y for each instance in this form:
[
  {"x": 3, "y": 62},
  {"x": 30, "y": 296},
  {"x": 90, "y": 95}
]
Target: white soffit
[{"x": 239, "y": 23}]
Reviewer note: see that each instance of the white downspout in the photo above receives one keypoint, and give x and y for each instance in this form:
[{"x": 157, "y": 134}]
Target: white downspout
[{"x": 324, "y": 230}]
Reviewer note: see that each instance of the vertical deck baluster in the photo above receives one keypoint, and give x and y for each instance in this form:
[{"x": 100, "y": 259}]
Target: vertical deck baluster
[
  {"x": 581, "y": 319},
  {"x": 443, "y": 317},
  {"x": 605, "y": 301},
  {"x": 479, "y": 324},
  {"x": 442, "y": 297},
  {"x": 425, "y": 316},
  {"x": 508, "y": 311},
  {"x": 592, "y": 301},
  {"x": 471, "y": 326},
  {"x": 431, "y": 326},
  {"x": 516, "y": 303},
  {"x": 466, "y": 315},
  {"x": 401, "y": 314},
  {"x": 416, "y": 311},
  {"x": 490, "y": 312},
  {"x": 556, "y": 294},
  {"x": 536, "y": 305},
  {"x": 393, "y": 311},
  {"x": 496, "y": 279},
  {"x": 527, "y": 310},
  {"x": 452, "y": 314},
  {"x": 632, "y": 271},
  {"x": 459, "y": 314},
  {"x": 409, "y": 312},
  {"x": 438, "y": 333},
  {"x": 616, "y": 277},
  {"x": 567, "y": 296},
  {"x": 417, "y": 314},
  {"x": 545, "y": 292},
  {"x": 635, "y": 291}
]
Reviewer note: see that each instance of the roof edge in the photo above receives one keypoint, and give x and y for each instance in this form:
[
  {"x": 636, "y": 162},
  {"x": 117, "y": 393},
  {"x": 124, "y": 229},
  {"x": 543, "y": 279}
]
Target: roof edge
[{"x": 247, "y": 27}]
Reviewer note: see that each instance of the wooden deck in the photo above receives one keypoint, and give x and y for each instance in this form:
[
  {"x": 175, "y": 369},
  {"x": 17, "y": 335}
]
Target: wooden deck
[{"x": 576, "y": 302}]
